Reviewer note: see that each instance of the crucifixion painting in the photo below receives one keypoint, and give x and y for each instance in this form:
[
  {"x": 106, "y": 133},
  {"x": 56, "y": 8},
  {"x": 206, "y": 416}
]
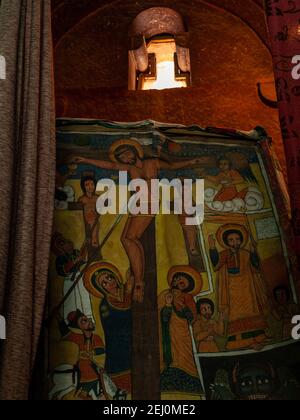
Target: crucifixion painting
[
  {"x": 128, "y": 156},
  {"x": 140, "y": 302}
]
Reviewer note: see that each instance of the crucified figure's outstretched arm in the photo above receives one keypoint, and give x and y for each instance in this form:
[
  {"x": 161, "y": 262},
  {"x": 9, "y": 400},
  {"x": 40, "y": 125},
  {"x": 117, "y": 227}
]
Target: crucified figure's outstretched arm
[
  {"x": 184, "y": 164},
  {"x": 103, "y": 164}
]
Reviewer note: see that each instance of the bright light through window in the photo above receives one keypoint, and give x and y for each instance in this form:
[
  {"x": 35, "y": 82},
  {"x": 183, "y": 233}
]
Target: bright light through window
[{"x": 164, "y": 51}]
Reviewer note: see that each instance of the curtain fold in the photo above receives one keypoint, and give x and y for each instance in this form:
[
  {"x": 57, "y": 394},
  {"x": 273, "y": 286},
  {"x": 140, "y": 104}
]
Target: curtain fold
[
  {"x": 283, "y": 17},
  {"x": 27, "y": 176}
]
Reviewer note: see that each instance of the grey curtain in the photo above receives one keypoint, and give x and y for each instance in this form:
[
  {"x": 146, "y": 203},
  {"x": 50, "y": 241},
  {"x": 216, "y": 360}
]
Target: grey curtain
[{"x": 27, "y": 175}]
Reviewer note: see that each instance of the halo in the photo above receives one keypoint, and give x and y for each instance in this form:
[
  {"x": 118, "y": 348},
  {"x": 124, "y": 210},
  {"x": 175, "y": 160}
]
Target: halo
[
  {"x": 125, "y": 142},
  {"x": 228, "y": 227},
  {"x": 89, "y": 277},
  {"x": 191, "y": 272}
]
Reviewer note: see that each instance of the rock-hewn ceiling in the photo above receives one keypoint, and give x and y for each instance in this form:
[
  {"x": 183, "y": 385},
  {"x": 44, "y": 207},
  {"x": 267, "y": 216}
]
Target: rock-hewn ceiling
[{"x": 68, "y": 13}]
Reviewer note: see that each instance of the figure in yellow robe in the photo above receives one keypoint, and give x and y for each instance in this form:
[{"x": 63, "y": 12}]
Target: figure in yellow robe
[
  {"x": 242, "y": 293},
  {"x": 177, "y": 312},
  {"x": 206, "y": 329}
]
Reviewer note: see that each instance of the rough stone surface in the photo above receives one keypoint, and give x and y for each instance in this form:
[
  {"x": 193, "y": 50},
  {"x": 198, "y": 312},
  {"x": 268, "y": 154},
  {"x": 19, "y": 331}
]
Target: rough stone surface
[{"x": 229, "y": 57}]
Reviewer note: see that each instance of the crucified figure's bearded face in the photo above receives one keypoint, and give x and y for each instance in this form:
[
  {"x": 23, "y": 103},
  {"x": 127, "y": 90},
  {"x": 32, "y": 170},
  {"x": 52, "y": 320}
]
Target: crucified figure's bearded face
[{"x": 128, "y": 157}]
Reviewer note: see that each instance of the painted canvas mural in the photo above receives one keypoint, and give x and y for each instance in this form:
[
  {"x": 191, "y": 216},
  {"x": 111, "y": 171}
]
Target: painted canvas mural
[{"x": 147, "y": 307}]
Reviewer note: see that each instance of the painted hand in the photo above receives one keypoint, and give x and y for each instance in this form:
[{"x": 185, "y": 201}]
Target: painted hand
[
  {"x": 138, "y": 293},
  {"x": 95, "y": 243},
  {"x": 204, "y": 160},
  {"x": 169, "y": 299},
  {"x": 212, "y": 242},
  {"x": 180, "y": 303},
  {"x": 78, "y": 159}
]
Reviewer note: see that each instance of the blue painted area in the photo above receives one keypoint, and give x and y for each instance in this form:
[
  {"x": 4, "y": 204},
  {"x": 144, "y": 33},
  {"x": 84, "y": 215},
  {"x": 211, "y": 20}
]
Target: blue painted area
[{"x": 117, "y": 325}]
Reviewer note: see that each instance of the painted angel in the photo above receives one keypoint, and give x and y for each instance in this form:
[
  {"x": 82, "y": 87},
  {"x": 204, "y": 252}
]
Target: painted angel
[{"x": 234, "y": 172}]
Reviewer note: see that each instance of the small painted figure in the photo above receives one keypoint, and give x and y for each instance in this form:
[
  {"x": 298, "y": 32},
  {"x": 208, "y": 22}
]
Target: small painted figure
[
  {"x": 284, "y": 310},
  {"x": 206, "y": 329},
  {"x": 91, "y": 217},
  {"x": 69, "y": 264}
]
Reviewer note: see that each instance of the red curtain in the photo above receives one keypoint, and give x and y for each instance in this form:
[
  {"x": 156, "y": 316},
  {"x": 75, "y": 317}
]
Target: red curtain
[{"x": 284, "y": 25}]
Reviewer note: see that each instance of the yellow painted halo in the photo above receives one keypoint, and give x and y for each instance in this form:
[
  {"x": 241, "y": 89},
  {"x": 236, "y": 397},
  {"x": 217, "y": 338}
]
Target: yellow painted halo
[
  {"x": 190, "y": 271},
  {"x": 125, "y": 142},
  {"x": 91, "y": 273},
  {"x": 228, "y": 227}
]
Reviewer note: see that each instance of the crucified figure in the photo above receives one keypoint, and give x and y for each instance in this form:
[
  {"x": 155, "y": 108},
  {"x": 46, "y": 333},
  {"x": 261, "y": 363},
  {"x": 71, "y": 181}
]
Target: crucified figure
[{"x": 128, "y": 155}]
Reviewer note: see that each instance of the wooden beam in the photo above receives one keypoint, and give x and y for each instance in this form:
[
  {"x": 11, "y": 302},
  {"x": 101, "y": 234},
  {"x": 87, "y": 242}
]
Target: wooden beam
[{"x": 145, "y": 346}]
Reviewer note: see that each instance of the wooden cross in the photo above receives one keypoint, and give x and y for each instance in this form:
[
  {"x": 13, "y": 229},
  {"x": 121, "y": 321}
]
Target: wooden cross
[{"x": 145, "y": 345}]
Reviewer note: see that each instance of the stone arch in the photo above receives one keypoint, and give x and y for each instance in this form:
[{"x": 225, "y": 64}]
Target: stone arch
[
  {"x": 150, "y": 23},
  {"x": 156, "y": 21}
]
